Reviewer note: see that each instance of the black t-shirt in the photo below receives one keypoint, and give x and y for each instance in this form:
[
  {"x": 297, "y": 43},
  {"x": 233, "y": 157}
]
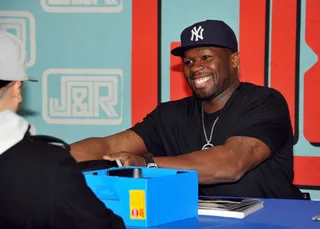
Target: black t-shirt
[{"x": 175, "y": 128}]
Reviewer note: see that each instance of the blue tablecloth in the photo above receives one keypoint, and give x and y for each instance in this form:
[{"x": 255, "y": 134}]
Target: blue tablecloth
[{"x": 276, "y": 214}]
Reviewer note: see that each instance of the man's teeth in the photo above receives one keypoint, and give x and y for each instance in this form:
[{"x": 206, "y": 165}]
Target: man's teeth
[{"x": 202, "y": 80}]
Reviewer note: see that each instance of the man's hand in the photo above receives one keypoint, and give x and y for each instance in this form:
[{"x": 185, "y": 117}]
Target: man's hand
[{"x": 127, "y": 159}]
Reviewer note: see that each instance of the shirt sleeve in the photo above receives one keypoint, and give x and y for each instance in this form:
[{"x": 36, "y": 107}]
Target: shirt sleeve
[
  {"x": 266, "y": 119},
  {"x": 76, "y": 206},
  {"x": 148, "y": 130}
]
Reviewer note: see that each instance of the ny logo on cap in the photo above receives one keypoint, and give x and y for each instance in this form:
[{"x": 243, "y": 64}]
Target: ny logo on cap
[{"x": 196, "y": 33}]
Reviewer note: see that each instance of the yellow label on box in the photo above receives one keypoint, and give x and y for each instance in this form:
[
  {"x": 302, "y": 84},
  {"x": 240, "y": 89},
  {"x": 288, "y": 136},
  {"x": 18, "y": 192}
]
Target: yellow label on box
[{"x": 137, "y": 204}]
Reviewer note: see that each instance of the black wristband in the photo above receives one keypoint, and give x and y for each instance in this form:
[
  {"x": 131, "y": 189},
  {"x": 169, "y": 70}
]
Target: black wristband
[
  {"x": 148, "y": 159},
  {"x": 150, "y": 162}
]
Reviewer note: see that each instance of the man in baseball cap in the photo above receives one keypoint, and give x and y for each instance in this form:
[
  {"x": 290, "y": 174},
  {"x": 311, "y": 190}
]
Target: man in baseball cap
[
  {"x": 237, "y": 135},
  {"x": 41, "y": 183}
]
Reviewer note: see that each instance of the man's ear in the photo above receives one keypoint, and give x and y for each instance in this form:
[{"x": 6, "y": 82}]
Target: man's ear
[
  {"x": 16, "y": 91},
  {"x": 235, "y": 60}
]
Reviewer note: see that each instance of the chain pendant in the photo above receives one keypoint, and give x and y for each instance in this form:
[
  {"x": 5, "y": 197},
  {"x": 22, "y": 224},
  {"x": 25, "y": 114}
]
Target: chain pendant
[{"x": 207, "y": 146}]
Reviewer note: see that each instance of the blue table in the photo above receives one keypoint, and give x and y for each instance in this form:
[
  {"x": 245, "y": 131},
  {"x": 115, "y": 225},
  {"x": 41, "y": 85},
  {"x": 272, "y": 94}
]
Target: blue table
[{"x": 276, "y": 214}]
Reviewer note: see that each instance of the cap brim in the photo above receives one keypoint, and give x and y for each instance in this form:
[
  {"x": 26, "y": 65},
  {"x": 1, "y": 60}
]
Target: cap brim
[
  {"x": 31, "y": 79},
  {"x": 179, "y": 51}
]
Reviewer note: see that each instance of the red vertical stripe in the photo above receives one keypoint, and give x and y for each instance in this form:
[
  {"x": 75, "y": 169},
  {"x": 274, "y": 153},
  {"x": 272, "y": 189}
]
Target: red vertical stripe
[
  {"x": 312, "y": 76},
  {"x": 307, "y": 170},
  {"x": 144, "y": 74},
  {"x": 178, "y": 85},
  {"x": 283, "y": 50},
  {"x": 252, "y": 40}
]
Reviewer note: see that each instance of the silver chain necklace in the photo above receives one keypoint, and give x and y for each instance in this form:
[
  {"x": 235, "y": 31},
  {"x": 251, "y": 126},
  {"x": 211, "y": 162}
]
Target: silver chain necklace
[{"x": 208, "y": 144}]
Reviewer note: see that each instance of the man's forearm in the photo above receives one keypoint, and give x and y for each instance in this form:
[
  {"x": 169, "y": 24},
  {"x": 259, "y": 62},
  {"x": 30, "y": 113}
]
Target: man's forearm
[
  {"x": 88, "y": 149},
  {"x": 96, "y": 148},
  {"x": 211, "y": 170}
]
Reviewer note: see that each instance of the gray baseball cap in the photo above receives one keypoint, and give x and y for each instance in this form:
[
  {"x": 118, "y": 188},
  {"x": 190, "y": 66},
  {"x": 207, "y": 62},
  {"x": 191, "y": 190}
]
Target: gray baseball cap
[{"x": 12, "y": 58}]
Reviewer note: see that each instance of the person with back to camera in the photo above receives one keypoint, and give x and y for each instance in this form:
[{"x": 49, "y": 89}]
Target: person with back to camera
[{"x": 41, "y": 183}]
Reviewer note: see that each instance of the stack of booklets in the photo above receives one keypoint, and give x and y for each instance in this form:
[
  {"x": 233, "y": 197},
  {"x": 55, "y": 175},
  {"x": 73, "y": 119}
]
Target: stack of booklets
[{"x": 228, "y": 207}]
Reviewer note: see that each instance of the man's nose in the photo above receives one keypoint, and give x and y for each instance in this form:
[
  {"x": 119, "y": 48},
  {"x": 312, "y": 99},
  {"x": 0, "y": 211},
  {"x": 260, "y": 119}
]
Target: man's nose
[{"x": 197, "y": 65}]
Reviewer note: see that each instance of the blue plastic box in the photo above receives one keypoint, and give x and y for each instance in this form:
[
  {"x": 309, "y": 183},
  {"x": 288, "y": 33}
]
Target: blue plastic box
[{"x": 160, "y": 196}]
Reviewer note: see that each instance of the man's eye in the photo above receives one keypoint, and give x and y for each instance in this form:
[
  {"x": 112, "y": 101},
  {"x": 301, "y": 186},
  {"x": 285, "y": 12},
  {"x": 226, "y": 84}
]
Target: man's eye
[
  {"x": 187, "y": 62},
  {"x": 206, "y": 57}
]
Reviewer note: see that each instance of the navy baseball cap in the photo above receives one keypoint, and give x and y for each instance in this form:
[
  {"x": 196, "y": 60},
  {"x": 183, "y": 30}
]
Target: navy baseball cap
[{"x": 206, "y": 33}]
